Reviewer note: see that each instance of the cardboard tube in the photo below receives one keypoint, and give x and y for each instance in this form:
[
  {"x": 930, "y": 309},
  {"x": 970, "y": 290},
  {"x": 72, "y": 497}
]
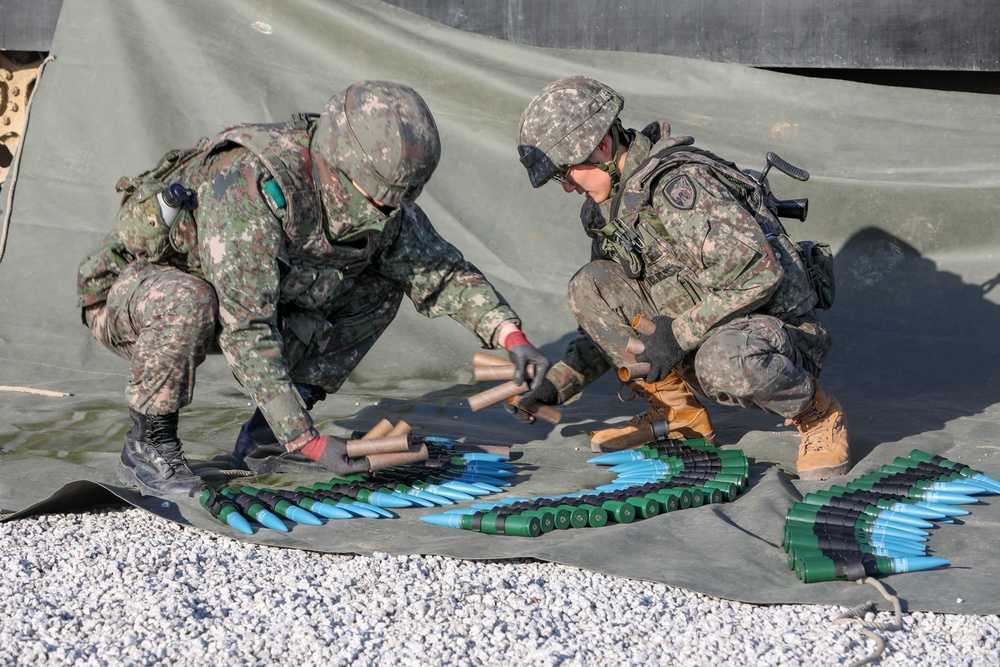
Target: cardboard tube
[
  {"x": 380, "y": 430},
  {"x": 542, "y": 411},
  {"x": 416, "y": 454},
  {"x": 634, "y": 346},
  {"x": 401, "y": 429},
  {"x": 501, "y": 392},
  {"x": 489, "y": 373},
  {"x": 483, "y": 359},
  {"x": 358, "y": 448},
  {"x": 643, "y": 325},
  {"x": 633, "y": 371}
]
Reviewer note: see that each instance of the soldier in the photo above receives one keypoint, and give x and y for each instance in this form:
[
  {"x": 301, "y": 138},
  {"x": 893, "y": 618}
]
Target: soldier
[
  {"x": 683, "y": 238},
  {"x": 290, "y": 246}
]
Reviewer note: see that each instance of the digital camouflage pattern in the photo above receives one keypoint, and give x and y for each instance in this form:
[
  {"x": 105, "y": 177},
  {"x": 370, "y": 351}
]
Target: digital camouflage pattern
[
  {"x": 563, "y": 125},
  {"x": 742, "y": 304},
  {"x": 305, "y": 281},
  {"x": 383, "y": 137}
]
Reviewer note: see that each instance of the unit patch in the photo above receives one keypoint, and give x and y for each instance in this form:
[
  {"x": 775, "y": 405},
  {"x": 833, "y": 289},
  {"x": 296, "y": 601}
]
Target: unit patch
[{"x": 680, "y": 192}]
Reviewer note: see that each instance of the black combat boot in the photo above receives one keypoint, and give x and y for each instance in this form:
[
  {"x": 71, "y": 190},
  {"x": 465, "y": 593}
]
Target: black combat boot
[
  {"x": 152, "y": 459},
  {"x": 256, "y": 433}
]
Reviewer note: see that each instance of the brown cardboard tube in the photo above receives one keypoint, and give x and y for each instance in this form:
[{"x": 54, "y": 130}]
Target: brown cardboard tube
[
  {"x": 416, "y": 454},
  {"x": 634, "y": 346},
  {"x": 542, "y": 411},
  {"x": 633, "y": 371},
  {"x": 501, "y": 392},
  {"x": 643, "y": 325},
  {"x": 401, "y": 429},
  {"x": 483, "y": 359},
  {"x": 489, "y": 373},
  {"x": 358, "y": 448},
  {"x": 380, "y": 430}
]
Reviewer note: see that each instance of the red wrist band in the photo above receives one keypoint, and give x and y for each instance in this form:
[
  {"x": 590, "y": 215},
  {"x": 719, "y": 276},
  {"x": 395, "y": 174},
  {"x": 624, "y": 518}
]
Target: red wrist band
[{"x": 514, "y": 339}]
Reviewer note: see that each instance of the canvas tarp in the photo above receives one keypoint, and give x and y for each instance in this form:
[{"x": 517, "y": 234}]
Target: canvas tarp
[{"x": 904, "y": 186}]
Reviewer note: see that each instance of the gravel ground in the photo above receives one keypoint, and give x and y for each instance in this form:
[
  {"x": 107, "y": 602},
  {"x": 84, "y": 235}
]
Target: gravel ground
[{"x": 119, "y": 586}]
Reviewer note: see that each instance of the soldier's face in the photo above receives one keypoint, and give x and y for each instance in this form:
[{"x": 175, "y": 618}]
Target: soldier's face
[{"x": 588, "y": 181}]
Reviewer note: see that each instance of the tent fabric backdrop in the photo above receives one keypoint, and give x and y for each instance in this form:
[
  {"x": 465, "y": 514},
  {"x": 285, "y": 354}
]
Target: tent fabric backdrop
[{"x": 904, "y": 186}]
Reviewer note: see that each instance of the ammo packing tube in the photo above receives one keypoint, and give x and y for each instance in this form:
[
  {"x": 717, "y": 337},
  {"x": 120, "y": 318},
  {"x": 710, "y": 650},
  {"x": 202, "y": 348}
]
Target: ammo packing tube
[
  {"x": 366, "y": 446},
  {"x": 416, "y": 454},
  {"x": 224, "y": 510},
  {"x": 495, "y": 395},
  {"x": 542, "y": 411},
  {"x": 483, "y": 359},
  {"x": 380, "y": 430}
]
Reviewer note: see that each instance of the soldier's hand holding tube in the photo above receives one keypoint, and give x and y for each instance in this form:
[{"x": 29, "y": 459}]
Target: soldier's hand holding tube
[
  {"x": 331, "y": 453},
  {"x": 524, "y": 354},
  {"x": 662, "y": 352},
  {"x": 526, "y": 403}
]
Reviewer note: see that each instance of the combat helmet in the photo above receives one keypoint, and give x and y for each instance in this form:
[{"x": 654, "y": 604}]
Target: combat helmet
[
  {"x": 383, "y": 137},
  {"x": 563, "y": 125}
]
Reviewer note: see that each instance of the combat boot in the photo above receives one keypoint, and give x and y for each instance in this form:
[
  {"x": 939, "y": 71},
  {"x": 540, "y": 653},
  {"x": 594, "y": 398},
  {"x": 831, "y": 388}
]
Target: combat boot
[
  {"x": 256, "y": 434},
  {"x": 152, "y": 460},
  {"x": 670, "y": 401},
  {"x": 824, "y": 452}
]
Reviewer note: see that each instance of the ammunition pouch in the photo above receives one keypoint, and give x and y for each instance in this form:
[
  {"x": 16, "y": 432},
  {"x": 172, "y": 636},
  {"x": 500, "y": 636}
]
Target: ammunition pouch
[
  {"x": 140, "y": 224},
  {"x": 818, "y": 261}
]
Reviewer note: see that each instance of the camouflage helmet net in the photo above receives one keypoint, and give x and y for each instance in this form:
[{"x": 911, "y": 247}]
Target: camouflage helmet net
[
  {"x": 383, "y": 137},
  {"x": 563, "y": 125}
]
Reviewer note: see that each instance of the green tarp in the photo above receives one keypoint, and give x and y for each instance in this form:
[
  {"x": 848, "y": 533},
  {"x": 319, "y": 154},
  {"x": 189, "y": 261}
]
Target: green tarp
[{"x": 904, "y": 185}]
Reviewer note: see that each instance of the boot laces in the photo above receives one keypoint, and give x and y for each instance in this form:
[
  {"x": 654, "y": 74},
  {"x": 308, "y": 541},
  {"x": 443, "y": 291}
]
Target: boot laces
[{"x": 163, "y": 438}]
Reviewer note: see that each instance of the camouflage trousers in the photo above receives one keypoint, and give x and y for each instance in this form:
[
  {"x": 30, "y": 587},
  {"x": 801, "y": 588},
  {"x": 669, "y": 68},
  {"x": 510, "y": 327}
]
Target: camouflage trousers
[
  {"x": 165, "y": 322},
  {"x": 753, "y": 361}
]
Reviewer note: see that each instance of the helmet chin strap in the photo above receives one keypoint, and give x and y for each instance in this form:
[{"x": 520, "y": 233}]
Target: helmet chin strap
[{"x": 611, "y": 167}]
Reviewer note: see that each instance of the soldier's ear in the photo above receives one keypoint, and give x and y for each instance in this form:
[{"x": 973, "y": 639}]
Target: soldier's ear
[{"x": 603, "y": 151}]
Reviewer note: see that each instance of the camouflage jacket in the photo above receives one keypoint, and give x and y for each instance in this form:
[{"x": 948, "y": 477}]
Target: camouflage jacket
[
  {"x": 689, "y": 228},
  {"x": 264, "y": 242}
]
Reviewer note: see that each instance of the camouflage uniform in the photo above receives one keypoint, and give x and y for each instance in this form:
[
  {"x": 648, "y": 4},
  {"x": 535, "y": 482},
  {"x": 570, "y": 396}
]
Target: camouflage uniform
[
  {"x": 742, "y": 305},
  {"x": 282, "y": 263}
]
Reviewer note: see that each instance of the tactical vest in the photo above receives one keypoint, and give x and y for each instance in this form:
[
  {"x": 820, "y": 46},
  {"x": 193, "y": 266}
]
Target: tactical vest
[
  {"x": 637, "y": 238},
  {"x": 315, "y": 267}
]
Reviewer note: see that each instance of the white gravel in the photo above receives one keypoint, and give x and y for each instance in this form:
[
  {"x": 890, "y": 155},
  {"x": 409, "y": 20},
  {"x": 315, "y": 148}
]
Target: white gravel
[{"x": 119, "y": 586}]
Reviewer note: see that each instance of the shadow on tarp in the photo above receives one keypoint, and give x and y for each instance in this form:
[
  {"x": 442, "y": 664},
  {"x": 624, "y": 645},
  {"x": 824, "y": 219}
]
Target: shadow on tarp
[{"x": 906, "y": 333}]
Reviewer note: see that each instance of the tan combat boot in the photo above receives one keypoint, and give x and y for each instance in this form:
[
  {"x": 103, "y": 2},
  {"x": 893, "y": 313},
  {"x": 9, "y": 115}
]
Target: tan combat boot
[
  {"x": 669, "y": 400},
  {"x": 824, "y": 452}
]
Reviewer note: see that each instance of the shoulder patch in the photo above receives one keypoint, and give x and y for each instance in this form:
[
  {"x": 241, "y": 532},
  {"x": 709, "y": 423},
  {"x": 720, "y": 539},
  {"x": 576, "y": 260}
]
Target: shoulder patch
[{"x": 680, "y": 192}]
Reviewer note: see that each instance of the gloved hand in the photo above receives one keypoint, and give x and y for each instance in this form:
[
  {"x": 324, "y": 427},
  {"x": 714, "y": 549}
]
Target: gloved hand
[
  {"x": 523, "y": 353},
  {"x": 331, "y": 453},
  {"x": 662, "y": 352},
  {"x": 546, "y": 394}
]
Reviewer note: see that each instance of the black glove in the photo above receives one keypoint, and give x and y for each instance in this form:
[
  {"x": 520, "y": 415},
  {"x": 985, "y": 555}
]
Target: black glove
[
  {"x": 523, "y": 353},
  {"x": 331, "y": 454},
  {"x": 546, "y": 394},
  {"x": 661, "y": 351}
]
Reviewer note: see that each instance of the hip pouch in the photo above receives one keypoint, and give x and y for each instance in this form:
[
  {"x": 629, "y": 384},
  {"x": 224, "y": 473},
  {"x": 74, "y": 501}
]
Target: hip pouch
[{"x": 140, "y": 222}]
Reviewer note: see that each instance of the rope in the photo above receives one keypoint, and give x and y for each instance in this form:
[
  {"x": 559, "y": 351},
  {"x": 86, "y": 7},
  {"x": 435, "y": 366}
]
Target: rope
[
  {"x": 15, "y": 165},
  {"x": 32, "y": 390},
  {"x": 866, "y": 627}
]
